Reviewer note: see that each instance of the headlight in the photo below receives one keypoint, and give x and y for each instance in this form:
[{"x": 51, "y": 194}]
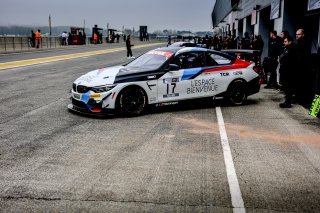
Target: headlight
[{"x": 104, "y": 88}]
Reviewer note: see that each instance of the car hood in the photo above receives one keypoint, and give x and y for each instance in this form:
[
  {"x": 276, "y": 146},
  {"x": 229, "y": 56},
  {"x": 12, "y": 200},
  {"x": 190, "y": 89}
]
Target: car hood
[
  {"x": 99, "y": 77},
  {"x": 117, "y": 74}
]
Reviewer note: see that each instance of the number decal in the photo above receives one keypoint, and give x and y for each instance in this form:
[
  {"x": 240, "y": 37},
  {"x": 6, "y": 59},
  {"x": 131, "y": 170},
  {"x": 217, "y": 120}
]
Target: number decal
[
  {"x": 168, "y": 87},
  {"x": 171, "y": 86}
]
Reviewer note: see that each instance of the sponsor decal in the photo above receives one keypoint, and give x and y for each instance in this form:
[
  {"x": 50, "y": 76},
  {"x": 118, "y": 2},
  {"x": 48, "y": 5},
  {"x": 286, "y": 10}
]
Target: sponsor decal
[
  {"x": 171, "y": 95},
  {"x": 151, "y": 76},
  {"x": 165, "y": 54},
  {"x": 100, "y": 71},
  {"x": 315, "y": 106},
  {"x": 170, "y": 80},
  {"x": 167, "y": 103},
  {"x": 204, "y": 85},
  {"x": 76, "y": 96},
  {"x": 224, "y": 74},
  {"x": 86, "y": 78},
  {"x": 238, "y": 73},
  {"x": 174, "y": 80},
  {"x": 95, "y": 95},
  {"x": 153, "y": 99}
]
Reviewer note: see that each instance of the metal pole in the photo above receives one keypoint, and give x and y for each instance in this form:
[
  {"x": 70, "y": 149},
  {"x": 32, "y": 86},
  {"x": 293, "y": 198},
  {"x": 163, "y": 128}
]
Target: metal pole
[
  {"x": 13, "y": 44},
  {"x": 21, "y": 42}
]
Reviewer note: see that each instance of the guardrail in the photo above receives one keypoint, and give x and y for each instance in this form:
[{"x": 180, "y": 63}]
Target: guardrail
[
  {"x": 11, "y": 44},
  {"x": 22, "y": 43}
]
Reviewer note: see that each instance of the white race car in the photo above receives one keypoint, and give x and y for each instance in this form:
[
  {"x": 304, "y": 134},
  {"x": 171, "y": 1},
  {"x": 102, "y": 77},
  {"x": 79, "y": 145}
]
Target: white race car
[{"x": 163, "y": 76}]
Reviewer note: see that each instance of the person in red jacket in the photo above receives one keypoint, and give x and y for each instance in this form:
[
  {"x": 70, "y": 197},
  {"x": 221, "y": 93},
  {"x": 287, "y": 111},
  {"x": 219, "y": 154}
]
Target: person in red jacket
[{"x": 95, "y": 38}]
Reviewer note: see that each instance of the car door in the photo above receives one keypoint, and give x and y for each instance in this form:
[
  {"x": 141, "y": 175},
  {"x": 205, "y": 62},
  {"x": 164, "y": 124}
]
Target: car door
[{"x": 177, "y": 85}]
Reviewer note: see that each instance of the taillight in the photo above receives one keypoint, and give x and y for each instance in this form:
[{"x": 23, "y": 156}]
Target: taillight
[{"x": 256, "y": 69}]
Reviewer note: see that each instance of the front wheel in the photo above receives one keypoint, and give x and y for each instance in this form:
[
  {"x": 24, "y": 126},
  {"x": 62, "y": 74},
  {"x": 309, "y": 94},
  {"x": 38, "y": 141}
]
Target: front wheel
[
  {"x": 237, "y": 92},
  {"x": 132, "y": 101}
]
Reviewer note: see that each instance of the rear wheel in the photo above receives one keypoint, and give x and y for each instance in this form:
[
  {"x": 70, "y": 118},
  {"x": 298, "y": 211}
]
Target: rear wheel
[
  {"x": 237, "y": 92},
  {"x": 132, "y": 101}
]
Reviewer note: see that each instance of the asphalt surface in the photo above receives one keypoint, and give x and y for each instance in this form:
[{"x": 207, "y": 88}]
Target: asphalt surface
[{"x": 169, "y": 160}]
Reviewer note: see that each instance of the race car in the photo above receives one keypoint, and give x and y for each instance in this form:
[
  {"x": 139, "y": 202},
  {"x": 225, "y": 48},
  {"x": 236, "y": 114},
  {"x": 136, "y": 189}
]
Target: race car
[
  {"x": 183, "y": 44},
  {"x": 164, "y": 76},
  {"x": 187, "y": 44}
]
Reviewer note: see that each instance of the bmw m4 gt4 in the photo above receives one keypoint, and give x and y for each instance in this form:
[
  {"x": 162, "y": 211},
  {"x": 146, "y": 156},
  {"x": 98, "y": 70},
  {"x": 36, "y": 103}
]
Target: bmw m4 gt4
[{"x": 163, "y": 76}]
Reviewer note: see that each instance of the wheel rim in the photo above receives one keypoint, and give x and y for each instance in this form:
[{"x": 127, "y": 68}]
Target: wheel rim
[
  {"x": 133, "y": 101},
  {"x": 238, "y": 93}
]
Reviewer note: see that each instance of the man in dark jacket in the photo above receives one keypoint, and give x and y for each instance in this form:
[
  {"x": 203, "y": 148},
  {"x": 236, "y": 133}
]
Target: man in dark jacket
[
  {"x": 288, "y": 69},
  {"x": 246, "y": 41},
  {"x": 304, "y": 88},
  {"x": 129, "y": 45},
  {"x": 275, "y": 49}
]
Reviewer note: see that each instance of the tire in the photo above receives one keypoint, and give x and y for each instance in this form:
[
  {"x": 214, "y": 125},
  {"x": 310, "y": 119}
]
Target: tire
[
  {"x": 237, "y": 92},
  {"x": 132, "y": 101}
]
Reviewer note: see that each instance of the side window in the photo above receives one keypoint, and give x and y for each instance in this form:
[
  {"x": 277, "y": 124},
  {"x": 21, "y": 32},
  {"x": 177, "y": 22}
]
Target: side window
[
  {"x": 218, "y": 59},
  {"x": 190, "y": 60}
]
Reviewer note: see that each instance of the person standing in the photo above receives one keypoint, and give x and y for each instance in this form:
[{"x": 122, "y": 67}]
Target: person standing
[
  {"x": 304, "y": 89},
  {"x": 33, "y": 39},
  {"x": 288, "y": 69},
  {"x": 275, "y": 50},
  {"x": 258, "y": 43},
  {"x": 129, "y": 45},
  {"x": 38, "y": 38},
  {"x": 283, "y": 35},
  {"x": 95, "y": 38},
  {"x": 246, "y": 41},
  {"x": 169, "y": 40},
  {"x": 64, "y": 38},
  {"x": 84, "y": 38}
]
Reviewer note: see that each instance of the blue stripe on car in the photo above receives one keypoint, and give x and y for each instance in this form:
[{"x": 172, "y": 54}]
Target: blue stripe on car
[
  {"x": 189, "y": 73},
  {"x": 85, "y": 98}
]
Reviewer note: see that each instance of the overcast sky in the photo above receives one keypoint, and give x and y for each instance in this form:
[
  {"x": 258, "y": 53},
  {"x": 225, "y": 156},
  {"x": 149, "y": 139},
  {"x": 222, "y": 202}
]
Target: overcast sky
[{"x": 194, "y": 15}]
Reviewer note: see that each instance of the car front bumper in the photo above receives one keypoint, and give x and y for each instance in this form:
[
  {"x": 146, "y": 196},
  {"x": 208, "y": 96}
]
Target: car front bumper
[{"x": 97, "y": 110}]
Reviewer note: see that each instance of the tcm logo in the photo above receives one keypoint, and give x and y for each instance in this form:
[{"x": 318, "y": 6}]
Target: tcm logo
[{"x": 224, "y": 74}]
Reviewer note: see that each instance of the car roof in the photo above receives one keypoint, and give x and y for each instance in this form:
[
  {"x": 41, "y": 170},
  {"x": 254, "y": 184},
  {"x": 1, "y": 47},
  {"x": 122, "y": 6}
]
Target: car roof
[{"x": 178, "y": 50}]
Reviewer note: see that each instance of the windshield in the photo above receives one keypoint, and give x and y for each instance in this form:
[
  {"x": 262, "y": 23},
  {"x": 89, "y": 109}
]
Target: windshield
[{"x": 151, "y": 60}]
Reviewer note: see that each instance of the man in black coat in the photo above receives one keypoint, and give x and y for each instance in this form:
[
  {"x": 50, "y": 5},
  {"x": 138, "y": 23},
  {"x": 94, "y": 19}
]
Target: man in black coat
[
  {"x": 304, "y": 88},
  {"x": 288, "y": 69},
  {"x": 275, "y": 49}
]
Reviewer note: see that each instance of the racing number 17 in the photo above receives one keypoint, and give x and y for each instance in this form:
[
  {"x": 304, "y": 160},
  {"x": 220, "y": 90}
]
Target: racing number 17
[{"x": 168, "y": 87}]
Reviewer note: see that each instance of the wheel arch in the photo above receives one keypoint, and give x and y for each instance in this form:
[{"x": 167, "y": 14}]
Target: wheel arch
[
  {"x": 132, "y": 86},
  {"x": 117, "y": 102},
  {"x": 235, "y": 80},
  {"x": 230, "y": 88}
]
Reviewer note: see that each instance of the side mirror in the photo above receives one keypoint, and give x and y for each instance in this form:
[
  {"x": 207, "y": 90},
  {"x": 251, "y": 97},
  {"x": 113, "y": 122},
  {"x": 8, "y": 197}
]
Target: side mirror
[{"x": 173, "y": 67}]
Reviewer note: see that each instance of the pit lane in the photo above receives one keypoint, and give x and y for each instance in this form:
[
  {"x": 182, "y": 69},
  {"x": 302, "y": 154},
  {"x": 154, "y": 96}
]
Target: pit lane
[{"x": 168, "y": 160}]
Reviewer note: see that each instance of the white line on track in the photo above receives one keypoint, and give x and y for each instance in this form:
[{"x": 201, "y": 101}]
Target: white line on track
[{"x": 236, "y": 196}]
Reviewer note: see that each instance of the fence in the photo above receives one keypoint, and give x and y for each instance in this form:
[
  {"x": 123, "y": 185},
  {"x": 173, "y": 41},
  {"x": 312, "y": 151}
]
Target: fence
[
  {"x": 10, "y": 44},
  {"x": 22, "y": 43}
]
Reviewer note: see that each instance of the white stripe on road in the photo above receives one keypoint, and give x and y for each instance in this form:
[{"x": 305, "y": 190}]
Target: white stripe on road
[{"x": 236, "y": 197}]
